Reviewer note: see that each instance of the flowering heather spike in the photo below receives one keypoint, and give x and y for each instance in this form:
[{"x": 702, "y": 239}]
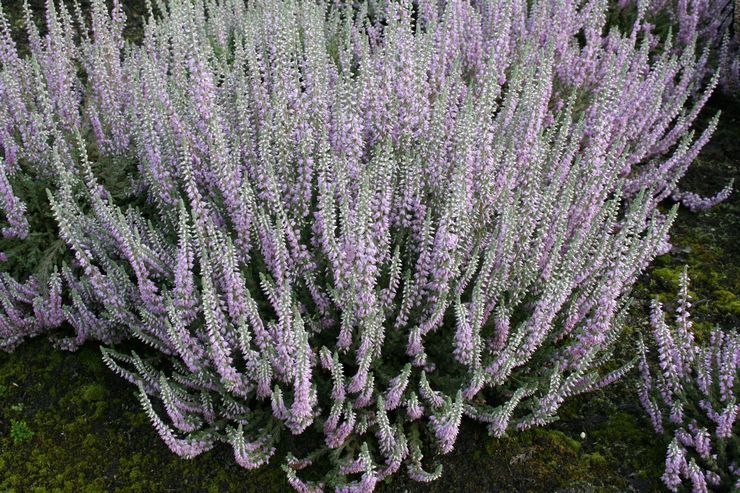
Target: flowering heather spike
[
  {"x": 414, "y": 409},
  {"x": 415, "y": 468},
  {"x": 187, "y": 448},
  {"x": 447, "y": 426},
  {"x": 313, "y": 189},
  {"x": 695, "y": 202},
  {"x": 184, "y": 291},
  {"x": 386, "y": 437},
  {"x": 12, "y": 207},
  {"x": 396, "y": 388},
  {"x": 250, "y": 455},
  {"x": 694, "y": 385},
  {"x": 174, "y": 408}
]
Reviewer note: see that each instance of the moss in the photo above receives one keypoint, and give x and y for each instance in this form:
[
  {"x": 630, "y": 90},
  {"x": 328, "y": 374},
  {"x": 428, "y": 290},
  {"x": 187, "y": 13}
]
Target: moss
[
  {"x": 558, "y": 440},
  {"x": 595, "y": 460},
  {"x": 20, "y": 431},
  {"x": 642, "y": 449},
  {"x": 94, "y": 393},
  {"x": 669, "y": 276},
  {"x": 726, "y": 301},
  {"x": 93, "y": 363}
]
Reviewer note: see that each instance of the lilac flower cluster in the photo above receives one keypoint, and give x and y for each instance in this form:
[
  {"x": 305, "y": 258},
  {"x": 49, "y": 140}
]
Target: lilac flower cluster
[
  {"x": 693, "y": 398},
  {"x": 368, "y": 220}
]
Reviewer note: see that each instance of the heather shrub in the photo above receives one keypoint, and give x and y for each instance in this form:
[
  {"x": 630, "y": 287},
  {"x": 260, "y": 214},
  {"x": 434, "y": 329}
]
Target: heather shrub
[
  {"x": 691, "y": 397},
  {"x": 363, "y": 222}
]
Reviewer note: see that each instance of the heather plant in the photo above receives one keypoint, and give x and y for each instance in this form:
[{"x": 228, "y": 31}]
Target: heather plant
[
  {"x": 691, "y": 398},
  {"x": 361, "y": 222}
]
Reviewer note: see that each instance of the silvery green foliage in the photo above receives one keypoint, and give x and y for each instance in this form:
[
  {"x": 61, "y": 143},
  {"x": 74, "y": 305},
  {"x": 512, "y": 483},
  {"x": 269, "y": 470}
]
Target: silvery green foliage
[
  {"x": 369, "y": 221},
  {"x": 691, "y": 396}
]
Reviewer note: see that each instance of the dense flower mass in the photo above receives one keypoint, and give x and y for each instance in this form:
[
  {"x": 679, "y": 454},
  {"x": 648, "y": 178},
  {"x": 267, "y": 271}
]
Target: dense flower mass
[
  {"x": 693, "y": 398},
  {"x": 366, "y": 220}
]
